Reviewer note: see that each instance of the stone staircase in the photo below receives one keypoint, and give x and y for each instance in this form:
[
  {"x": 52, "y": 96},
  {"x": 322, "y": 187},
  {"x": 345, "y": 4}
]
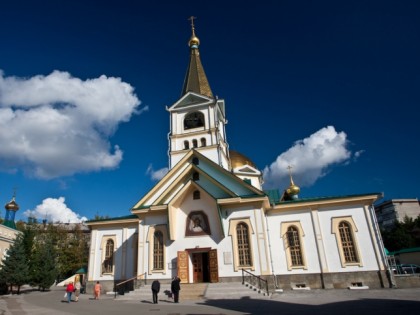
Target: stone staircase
[{"x": 196, "y": 291}]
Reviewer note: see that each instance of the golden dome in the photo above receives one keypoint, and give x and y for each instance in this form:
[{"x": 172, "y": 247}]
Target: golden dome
[
  {"x": 12, "y": 205},
  {"x": 237, "y": 160},
  {"x": 293, "y": 190},
  {"x": 194, "y": 41}
]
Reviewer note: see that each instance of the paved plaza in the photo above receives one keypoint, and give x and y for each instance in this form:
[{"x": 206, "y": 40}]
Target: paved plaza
[{"x": 342, "y": 302}]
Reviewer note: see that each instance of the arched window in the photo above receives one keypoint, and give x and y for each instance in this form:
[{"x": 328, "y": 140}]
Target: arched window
[
  {"x": 158, "y": 251},
  {"x": 203, "y": 142},
  {"x": 194, "y": 120},
  {"x": 194, "y": 142},
  {"x": 347, "y": 242},
  {"x": 293, "y": 240},
  {"x": 108, "y": 263},
  {"x": 196, "y": 176},
  {"x": 196, "y": 194},
  {"x": 244, "y": 251},
  {"x": 186, "y": 145},
  {"x": 195, "y": 161}
]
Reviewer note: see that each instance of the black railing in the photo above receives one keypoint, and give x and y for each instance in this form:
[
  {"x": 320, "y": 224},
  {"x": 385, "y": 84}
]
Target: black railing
[
  {"x": 130, "y": 284},
  {"x": 255, "y": 281}
]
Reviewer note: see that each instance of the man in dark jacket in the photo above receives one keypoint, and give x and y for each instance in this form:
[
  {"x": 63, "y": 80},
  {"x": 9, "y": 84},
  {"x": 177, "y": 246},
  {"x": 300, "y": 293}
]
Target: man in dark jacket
[
  {"x": 175, "y": 288},
  {"x": 155, "y": 290}
]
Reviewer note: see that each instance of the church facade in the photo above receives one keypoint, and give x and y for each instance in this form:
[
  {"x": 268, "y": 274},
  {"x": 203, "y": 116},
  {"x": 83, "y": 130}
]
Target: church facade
[{"x": 208, "y": 218}]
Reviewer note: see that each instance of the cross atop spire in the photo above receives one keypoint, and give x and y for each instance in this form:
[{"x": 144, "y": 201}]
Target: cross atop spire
[
  {"x": 290, "y": 173},
  {"x": 192, "y": 24},
  {"x": 195, "y": 78}
]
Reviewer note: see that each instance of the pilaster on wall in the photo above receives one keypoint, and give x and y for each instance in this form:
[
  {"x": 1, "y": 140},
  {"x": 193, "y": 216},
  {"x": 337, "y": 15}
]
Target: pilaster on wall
[
  {"x": 319, "y": 241},
  {"x": 92, "y": 257},
  {"x": 141, "y": 249},
  {"x": 124, "y": 253},
  {"x": 262, "y": 242}
]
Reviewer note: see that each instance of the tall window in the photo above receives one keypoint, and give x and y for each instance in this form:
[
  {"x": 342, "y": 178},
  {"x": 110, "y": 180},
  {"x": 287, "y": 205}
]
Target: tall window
[
  {"x": 294, "y": 246},
  {"x": 203, "y": 142},
  {"x": 158, "y": 251},
  {"x": 347, "y": 242},
  {"x": 194, "y": 142},
  {"x": 186, "y": 145},
  {"x": 244, "y": 251},
  {"x": 108, "y": 263},
  {"x": 196, "y": 194}
]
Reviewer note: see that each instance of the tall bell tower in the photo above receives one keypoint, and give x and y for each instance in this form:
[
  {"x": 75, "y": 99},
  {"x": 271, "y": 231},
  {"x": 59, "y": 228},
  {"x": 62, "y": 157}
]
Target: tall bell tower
[{"x": 197, "y": 119}]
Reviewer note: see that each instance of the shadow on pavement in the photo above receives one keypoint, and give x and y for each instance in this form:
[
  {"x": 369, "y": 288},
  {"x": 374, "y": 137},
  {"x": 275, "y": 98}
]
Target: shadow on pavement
[{"x": 362, "y": 306}]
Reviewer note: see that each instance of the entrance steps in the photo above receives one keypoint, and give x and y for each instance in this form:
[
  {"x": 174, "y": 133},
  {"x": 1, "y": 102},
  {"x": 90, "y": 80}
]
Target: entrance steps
[{"x": 196, "y": 291}]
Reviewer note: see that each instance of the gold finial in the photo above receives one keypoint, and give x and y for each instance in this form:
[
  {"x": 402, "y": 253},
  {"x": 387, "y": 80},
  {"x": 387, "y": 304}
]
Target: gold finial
[
  {"x": 290, "y": 174},
  {"x": 194, "y": 41},
  {"x": 192, "y": 24},
  {"x": 293, "y": 190}
]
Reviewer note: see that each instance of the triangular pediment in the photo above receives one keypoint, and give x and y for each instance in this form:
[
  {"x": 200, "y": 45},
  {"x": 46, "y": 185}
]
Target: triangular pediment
[
  {"x": 247, "y": 169},
  {"x": 195, "y": 167},
  {"x": 191, "y": 99}
]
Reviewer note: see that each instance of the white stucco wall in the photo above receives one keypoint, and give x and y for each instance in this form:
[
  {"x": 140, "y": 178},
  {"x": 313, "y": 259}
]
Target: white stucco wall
[
  {"x": 278, "y": 250},
  {"x": 362, "y": 238},
  {"x": 123, "y": 253}
]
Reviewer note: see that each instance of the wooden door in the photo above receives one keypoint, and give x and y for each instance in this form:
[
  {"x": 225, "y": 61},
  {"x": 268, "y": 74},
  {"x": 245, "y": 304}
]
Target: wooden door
[
  {"x": 183, "y": 266},
  {"x": 197, "y": 259},
  {"x": 214, "y": 268}
]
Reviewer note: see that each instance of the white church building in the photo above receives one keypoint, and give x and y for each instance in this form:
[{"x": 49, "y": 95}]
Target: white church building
[{"x": 208, "y": 218}]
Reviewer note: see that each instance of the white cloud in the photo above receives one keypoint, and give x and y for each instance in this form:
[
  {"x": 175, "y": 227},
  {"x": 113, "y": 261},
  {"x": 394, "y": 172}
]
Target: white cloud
[
  {"x": 58, "y": 125},
  {"x": 310, "y": 159},
  {"x": 156, "y": 175},
  {"x": 55, "y": 210}
]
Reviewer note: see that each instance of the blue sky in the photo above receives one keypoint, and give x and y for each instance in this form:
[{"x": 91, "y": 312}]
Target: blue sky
[{"x": 330, "y": 87}]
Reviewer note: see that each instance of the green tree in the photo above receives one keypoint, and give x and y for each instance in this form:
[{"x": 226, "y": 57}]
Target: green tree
[
  {"x": 71, "y": 245},
  {"x": 14, "y": 269},
  {"x": 402, "y": 235},
  {"x": 43, "y": 267}
]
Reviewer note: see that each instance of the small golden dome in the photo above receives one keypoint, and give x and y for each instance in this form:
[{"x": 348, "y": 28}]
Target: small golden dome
[
  {"x": 12, "y": 205},
  {"x": 293, "y": 190},
  {"x": 237, "y": 160},
  {"x": 194, "y": 41}
]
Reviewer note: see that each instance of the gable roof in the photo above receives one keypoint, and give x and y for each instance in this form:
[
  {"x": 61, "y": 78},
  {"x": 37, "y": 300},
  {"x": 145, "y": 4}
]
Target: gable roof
[
  {"x": 191, "y": 99},
  {"x": 214, "y": 179}
]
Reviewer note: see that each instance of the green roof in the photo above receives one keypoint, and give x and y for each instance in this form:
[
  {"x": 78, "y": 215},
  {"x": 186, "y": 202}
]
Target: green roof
[
  {"x": 406, "y": 250},
  {"x": 131, "y": 216},
  {"x": 325, "y": 198},
  {"x": 10, "y": 224},
  {"x": 273, "y": 195}
]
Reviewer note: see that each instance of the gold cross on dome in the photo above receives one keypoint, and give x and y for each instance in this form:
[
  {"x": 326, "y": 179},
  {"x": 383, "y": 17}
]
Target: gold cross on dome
[{"x": 192, "y": 20}]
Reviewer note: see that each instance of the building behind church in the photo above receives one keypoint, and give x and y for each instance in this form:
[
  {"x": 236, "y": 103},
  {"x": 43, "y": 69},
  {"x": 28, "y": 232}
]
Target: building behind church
[{"x": 208, "y": 218}]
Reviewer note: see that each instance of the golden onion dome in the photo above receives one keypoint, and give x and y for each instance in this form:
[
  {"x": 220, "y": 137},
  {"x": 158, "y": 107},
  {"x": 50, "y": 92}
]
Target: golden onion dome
[
  {"x": 238, "y": 159},
  {"x": 293, "y": 190},
  {"x": 194, "y": 41},
  {"x": 12, "y": 205}
]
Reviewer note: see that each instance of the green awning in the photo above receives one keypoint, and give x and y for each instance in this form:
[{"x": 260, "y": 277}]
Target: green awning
[{"x": 81, "y": 271}]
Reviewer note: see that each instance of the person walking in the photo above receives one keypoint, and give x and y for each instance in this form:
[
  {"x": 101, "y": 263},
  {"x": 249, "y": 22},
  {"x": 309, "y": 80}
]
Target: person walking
[
  {"x": 77, "y": 287},
  {"x": 155, "y": 291},
  {"x": 175, "y": 288},
  {"x": 69, "y": 291},
  {"x": 97, "y": 290}
]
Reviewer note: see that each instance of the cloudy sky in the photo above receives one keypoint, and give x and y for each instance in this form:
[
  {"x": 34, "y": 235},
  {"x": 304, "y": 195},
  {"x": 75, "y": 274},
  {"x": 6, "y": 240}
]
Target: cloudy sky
[{"x": 327, "y": 87}]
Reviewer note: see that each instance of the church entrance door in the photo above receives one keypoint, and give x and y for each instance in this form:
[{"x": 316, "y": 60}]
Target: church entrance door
[
  {"x": 201, "y": 268},
  {"x": 204, "y": 265}
]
